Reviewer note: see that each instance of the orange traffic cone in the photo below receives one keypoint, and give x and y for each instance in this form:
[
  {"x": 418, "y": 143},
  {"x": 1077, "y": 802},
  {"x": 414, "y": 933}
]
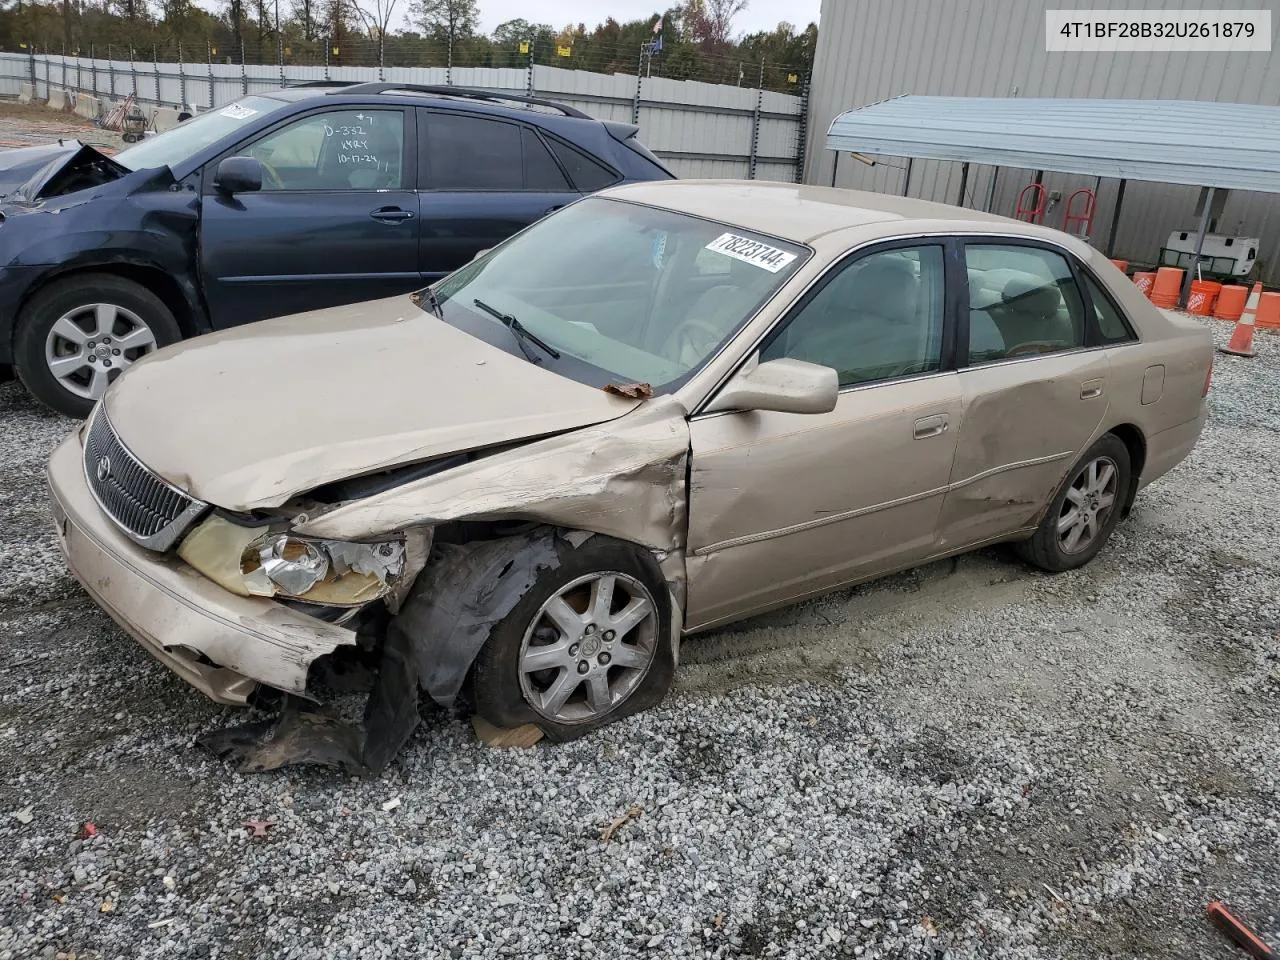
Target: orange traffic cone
[{"x": 1242, "y": 336}]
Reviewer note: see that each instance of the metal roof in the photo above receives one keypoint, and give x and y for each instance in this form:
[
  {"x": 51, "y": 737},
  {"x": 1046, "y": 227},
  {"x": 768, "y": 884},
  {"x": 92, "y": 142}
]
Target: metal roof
[{"x": 1169, "y": 141}]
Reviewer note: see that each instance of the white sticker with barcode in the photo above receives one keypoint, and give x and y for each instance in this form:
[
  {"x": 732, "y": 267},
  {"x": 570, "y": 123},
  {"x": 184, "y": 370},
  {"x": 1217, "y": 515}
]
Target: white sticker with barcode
[
  {"x": 238, "y": 111},
  {"x": 751, "y": 251}
]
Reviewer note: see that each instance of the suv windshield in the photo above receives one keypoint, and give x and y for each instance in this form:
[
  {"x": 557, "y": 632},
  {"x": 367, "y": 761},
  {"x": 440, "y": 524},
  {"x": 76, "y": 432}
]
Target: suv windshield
[
  {"x": 189, "y": 138},
  {"x": 621, "y": 293}
]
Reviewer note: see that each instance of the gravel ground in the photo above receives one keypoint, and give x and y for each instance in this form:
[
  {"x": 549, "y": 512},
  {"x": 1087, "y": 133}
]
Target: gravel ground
[
  {"x": 969, "y": 760},
  {"x": 25, "y": 125}
]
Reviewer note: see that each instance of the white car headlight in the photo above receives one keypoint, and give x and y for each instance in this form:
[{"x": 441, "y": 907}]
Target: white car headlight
[{"x": 252, "y": 562}]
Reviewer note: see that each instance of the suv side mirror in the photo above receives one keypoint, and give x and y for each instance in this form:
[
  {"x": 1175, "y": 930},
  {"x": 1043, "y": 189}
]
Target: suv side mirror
[
  {"x": 784, "y": 385},
  {"x": 238, "y": 175}
]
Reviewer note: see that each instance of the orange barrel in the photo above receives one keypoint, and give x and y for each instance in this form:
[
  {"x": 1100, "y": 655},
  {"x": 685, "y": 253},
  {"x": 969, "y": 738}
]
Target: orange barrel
[
  {"x": 1145, "y": 282},
  {"x": 1167, "y": 289},
  {"x": 1269, "y": 310},
  {"x": 1203, "y": 294},
  {"x": 1121, "y": 265},
  {"x": 1231, "y": 300}
]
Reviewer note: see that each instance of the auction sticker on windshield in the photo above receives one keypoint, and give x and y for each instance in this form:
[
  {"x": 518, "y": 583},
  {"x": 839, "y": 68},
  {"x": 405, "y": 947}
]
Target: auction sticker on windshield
[
  {"x": 751, "y": 251},
  {"x": 238, "y": 111}
]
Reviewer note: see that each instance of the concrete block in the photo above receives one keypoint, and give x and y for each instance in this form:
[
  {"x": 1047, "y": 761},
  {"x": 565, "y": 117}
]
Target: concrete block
[
  {"x": 165, "y": 118},
  {"x": 26, "y": 93},
  {"x": 87, "y": 106},
  {"x": 60, "y": 99}
]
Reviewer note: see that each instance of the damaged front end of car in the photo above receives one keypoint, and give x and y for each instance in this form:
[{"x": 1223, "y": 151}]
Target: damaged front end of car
[{"x": 422, "y": 562}]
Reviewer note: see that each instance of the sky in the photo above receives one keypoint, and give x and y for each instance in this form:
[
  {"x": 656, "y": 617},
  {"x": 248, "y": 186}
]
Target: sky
[{"x": 759, "y": 15}]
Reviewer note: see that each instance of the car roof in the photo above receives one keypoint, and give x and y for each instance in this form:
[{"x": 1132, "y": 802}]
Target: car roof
[
  {"x": 502, "y": 103},
  {"x": 804, "y": 213}
]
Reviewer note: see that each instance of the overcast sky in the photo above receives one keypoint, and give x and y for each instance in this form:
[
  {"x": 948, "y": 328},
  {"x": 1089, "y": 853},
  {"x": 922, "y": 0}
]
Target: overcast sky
[{"x": 759, "y": 15}]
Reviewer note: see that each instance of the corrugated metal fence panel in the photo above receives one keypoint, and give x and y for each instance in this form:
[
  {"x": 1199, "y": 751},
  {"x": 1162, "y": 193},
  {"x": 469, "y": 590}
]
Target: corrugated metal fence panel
[
  {"x": 869, "y": 50},
  {"x": 700, "y": 129}
]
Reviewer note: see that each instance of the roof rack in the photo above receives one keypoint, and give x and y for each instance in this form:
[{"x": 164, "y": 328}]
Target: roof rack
[
  {"x": 324, "y": 83},
  {"x": 466, "y": 93}
]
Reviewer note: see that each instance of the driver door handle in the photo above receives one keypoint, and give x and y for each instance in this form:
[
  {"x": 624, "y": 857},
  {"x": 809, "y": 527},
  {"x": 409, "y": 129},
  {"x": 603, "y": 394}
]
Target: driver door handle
[
  {"x": 391, "y": 214},
  {"x": 1090, "y": 389}
]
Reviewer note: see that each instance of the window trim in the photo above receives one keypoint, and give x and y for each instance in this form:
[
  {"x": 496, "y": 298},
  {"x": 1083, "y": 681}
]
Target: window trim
[
  {"x": 1015, "y": 240},
  {"x": 947, "y": 353},
  {"x": 409, "y": 150}
]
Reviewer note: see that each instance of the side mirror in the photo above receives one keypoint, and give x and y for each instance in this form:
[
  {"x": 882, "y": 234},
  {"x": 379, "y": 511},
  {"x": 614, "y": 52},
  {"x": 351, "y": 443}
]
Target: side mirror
[
  {"x": 238, "y": 175},
  {"x": 785, "y": 386}
]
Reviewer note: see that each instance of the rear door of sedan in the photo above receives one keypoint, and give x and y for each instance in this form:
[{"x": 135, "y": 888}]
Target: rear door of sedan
[
  {"x": 482, "y": 179},
  {"x": 784, "y": 505},
  {"x": 1035, "y": 378}
]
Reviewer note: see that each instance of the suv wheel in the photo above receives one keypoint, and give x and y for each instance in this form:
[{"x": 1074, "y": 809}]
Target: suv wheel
[{"x": 76, "y": 336}]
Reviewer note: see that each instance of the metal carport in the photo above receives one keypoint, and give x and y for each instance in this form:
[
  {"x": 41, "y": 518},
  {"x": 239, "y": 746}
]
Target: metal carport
[{"x": 1212, "y": 145}]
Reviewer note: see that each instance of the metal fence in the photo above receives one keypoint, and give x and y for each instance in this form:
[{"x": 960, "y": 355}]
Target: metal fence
[{"x": 698, "y": 129}]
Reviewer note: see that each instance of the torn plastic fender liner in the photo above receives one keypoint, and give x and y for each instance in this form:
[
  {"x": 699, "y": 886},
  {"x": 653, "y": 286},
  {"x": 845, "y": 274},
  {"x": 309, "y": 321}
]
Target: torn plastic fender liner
[
  {"x": 625, "y": 478},
  {"x": 469, "y": 588}
]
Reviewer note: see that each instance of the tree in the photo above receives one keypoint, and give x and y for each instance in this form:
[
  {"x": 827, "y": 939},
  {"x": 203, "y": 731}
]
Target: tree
[
  {"x": 375, "y": 17},
  {"x": 513, "y": 31},
  {"x": 711, "y": 22},
  {"x": 446, "y": 19}
]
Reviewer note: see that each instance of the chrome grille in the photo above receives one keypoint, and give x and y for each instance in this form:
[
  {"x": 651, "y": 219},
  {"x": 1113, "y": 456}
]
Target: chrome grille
[{"x": 149, "y": 510}]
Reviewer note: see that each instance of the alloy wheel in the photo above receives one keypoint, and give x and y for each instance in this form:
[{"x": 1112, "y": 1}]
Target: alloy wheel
[
  {"x": 1089, "y": 502},
  {"x": 91, "y": 345},
  {"x": 588, "y": 647}
]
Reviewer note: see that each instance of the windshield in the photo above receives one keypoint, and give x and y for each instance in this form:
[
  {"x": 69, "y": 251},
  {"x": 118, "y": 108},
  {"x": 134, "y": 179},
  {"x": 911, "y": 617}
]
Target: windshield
[
  {"x": 621, "y": 293},
  {"x": 189, "y": 138}
]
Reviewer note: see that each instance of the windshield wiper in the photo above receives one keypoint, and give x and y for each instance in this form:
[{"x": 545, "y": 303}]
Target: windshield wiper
[{"x": 516, "y": 327}]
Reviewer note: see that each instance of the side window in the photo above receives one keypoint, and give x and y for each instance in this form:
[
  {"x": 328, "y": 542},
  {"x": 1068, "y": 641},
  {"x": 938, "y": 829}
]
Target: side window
[
  {"x": 1111, "y": 322},
  {"x": 877, "y": 318},
  {"x": 587, "y": 174},
  {"x": 336, "y": 150},
  {"x": 472, "y": 153},
  {"x": 1023, "y": 301},
  {"x": 540, "y": 170}
]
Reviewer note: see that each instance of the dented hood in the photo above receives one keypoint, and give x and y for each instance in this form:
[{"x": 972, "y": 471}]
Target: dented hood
[
  {"x": 249, "y": 417},
  {"x": 26, "y": 171}
]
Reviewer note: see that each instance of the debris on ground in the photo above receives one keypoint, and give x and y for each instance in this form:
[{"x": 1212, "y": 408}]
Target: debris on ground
[{"x": 618, "y": 822}]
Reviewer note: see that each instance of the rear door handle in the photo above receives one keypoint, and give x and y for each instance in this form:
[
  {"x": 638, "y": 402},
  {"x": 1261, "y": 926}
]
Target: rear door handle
[
  {"x": 391, "y": 214},
  {"x": 1090, "y": 389},
  {"x": 934, "y": 426}
]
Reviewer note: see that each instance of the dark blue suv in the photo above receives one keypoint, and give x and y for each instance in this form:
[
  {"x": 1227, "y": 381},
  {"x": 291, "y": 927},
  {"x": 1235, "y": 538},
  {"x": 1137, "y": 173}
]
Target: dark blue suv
[{"x": 282, "y": 202}]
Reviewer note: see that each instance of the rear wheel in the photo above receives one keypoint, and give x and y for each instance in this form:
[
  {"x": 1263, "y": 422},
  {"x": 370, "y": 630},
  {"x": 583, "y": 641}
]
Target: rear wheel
[
  {"x": 76, "y": 336},
  {"x": 1085, "y": 511}
]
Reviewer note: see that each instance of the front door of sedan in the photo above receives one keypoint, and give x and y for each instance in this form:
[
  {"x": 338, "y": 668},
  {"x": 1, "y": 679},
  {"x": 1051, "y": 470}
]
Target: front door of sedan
[
  {"x": 786, "y": 505},
  {"x": 483, "y": 179},
  {"x": 1035, "y": 389},
  {"x": 336, "y": 220}
]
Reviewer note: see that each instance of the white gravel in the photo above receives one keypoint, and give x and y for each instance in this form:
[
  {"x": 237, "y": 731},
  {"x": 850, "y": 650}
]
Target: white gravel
[{"x": 969, "y": 760}]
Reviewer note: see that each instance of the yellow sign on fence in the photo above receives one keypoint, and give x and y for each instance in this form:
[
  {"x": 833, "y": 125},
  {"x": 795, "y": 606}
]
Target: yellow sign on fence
[
  {"x": 524, "y": 46},
  {"x": 564, "y": 51}
]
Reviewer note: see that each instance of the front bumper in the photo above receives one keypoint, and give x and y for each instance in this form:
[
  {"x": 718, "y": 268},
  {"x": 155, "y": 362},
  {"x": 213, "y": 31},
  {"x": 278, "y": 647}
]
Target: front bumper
[{"x": 221, "y": 644}]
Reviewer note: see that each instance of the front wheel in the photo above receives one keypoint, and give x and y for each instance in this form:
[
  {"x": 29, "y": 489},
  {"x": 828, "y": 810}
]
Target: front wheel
[
  {"x": 1085, "y": 511},
  {"x": 77, "y": 335},
  {"x": 589, "y": 643}
]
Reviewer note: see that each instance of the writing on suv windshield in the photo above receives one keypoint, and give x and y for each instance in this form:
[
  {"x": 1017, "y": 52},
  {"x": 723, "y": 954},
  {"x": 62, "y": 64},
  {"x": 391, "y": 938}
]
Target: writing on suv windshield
[
  {"x": 187, "y": 139},
  {"x": 619, "y": 292}
]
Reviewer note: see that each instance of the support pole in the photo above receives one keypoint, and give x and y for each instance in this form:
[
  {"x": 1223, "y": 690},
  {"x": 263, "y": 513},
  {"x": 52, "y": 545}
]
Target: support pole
[
  {"x": 755, "y": 127},
  {"x": 835, "y": 165},
  {"x": 906, "y": 180},
  {"x": 991, "y": 190},
  {"x": 635, "y": 104},
  {"x": 1115, "y": 220},
  {"x": 964, "y": 182},
  {"x": 1204, "y": 228}
]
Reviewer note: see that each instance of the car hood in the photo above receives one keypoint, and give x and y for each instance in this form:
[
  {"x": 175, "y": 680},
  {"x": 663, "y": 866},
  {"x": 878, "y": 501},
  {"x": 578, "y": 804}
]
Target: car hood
[
  {"x": 250, "y": 417},
  {"x": 34, "y": 173}
]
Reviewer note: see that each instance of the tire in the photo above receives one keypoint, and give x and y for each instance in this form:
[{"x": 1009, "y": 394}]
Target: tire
[
  {"x": 1100, "y": 493},
  {"x": 60, "y": 322},
  {"x": 507, "y": 693}
]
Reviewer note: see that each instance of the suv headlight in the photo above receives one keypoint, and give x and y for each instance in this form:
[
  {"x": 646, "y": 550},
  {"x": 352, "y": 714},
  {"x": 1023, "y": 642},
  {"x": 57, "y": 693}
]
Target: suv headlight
[{"x": 254, "y": 562}]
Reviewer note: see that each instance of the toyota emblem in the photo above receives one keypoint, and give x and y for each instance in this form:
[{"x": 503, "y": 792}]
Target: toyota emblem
[{"x": 104, "y": 469}]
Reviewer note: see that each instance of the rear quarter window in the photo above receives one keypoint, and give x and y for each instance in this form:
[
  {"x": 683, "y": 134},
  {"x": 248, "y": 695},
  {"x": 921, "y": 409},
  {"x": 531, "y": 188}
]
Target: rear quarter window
[
  {"x": 1112, "y": 324},
  {"x": 587, "y": 173}
]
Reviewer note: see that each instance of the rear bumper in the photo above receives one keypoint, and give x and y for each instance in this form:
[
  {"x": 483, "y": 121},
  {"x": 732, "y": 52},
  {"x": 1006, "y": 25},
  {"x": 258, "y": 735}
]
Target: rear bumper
[{"x": 221, "y": 644}]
